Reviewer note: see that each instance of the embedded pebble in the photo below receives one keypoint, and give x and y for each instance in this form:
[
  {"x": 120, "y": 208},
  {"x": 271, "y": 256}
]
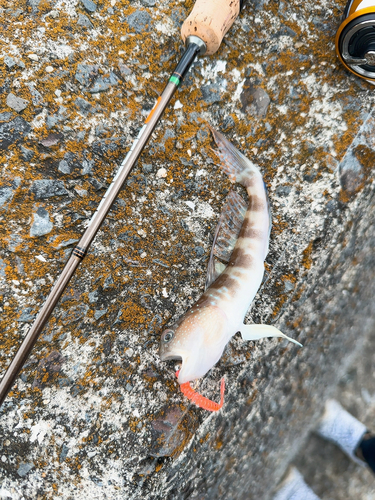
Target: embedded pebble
[
  {"x": 24, "y": 468},
  {"x": 36, "y": 97},
  {"x": 104, "y": 83},
  {"x": 26, "y": 316},
  {"x": 41, "y": 223},
  {"x": 9, "y": 62},
  {"x": 161, "y": 173},
  {"x": 139, "y": 21},
  {"x": 255, "y": 100},
  {"x": 89, "y": 5},
  {"x": 99, "y": 313},
  {"x": 12, "y": 131},
  {"x": 84, "y": 21},
  {"x": 46, "y": 188},
  {"x": 81, "y": 192},
  {"x": 6, "y": 194},
  {"x": 84, "y": 106},
  {"x": 16, "y": 103},
  {"x": 124, "y": 70},
  {"x": 211, "y": 93},
  {"x": 51, "y": 140},
  {"x": 33, "y": 57},
  {"x": 2, "y": 268}
]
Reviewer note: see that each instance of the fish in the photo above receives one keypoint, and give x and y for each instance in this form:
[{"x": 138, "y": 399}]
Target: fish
[{"x": 235, "y": 273}]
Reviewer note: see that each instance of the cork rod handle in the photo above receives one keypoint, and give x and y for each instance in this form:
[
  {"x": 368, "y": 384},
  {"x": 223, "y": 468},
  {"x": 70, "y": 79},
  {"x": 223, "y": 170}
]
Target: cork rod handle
[{"x": 210, "y": 20}]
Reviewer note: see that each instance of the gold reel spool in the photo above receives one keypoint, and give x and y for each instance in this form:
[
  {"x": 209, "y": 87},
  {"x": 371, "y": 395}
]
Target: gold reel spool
[{"x": 355, "y": 39}]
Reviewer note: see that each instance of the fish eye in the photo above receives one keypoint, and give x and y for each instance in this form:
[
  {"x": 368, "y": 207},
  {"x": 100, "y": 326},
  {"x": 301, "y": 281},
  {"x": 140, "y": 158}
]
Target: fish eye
[{"x": 168, "y": 335}]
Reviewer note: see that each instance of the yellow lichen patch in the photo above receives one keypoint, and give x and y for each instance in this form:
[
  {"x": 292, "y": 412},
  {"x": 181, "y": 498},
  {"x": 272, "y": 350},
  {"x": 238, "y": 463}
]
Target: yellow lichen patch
[{"x": 306, "y": 256}]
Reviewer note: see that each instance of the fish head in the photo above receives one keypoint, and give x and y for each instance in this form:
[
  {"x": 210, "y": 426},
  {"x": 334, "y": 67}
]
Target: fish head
[{"x": 197, "y": 339}]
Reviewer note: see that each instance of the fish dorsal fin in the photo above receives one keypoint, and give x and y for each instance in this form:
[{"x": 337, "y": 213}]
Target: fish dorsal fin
[
  {"x": 215, "y": 268},
  {"x": 229, "y": 226},
  {"x": 226, "y": 234}
]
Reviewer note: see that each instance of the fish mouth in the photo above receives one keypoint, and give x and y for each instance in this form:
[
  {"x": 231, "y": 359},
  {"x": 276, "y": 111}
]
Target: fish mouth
[{"x": 170, "y": 357}]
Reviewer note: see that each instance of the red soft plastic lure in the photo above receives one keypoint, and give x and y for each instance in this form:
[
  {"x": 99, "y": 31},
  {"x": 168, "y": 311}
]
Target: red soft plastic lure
[{"x": 200, "y": 400}]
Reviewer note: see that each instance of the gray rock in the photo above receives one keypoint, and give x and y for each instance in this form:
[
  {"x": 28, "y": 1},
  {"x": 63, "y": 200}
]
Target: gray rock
[
  {"x": 64, "y": 452},
  {"x": 5, "y": 87},
  {"x": 169, "y": 430},
  {"x": 27, "y": 154},
  {"x": 87, "y": 166},
  {"x": 9, "y": 62},
  {"x": 211, "y": 93},
  {"x": 6, "y": 116},
  {"x": 254, "y": 100},
  {"x": 124, "y": 70},
  {"x": 139, "y": 21},
  {"x": 17, "y": 13},
  {"x": 13, "y": 131},
  {"x": 46, "y": 188},
  {"x": 24, "y": 468},
  {"x": 58, "y": 117},
  {"x": 14, "y": 241},
  {"x": 104, "y": 83},
  {"x": 52, "y": 121},
  {"x": 41, "y": 224},
  {"x": 6, "y": 194},
  {"x": 64, "y": 167},
  {"x": 148, "y": 3},
  {"x": 199, "y": 251},
  {"x": 228, "y": 123},
  {"x": 67, "y": 243},
  {"x": 283, "y": 190},
  {"x": 93, "y": 296},
  {"x": 202, "y": 135},
  {"x": 86, "y": 73},
  {"x": 2, "y": 268},
  {"x": 96, "y": 184},
  {"x": 84, "y": 106},
  {"x": 84, "y": 21},
  {"x": 51, "y": 140},
  {"x": 99, "y": 313},
  {"x": 89, "y": 5},
  {"x": 36, "y": 97},
  {"x": 147, "y": 168},
  {"x": 34, "y": 4},
  {"x": 48, "y": 368},
  {"x": 7, "y": 191},
  {"x": 178, "y": 16},
  {"x": 26, "y": 317},
  {"x": 351, "y": 174},
  {"x": 108, "y": 282},
  {"x": 16, "y": 103},
  {"x": 74, "y": 314}
]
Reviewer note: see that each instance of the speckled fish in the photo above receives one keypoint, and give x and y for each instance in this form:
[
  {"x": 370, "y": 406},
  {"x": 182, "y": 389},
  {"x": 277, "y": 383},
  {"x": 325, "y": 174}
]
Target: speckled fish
[{"x": 235, "y": 272}]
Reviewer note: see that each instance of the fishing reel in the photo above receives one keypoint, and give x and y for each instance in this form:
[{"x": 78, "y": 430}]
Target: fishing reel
[{"x": 355, "y": 38}]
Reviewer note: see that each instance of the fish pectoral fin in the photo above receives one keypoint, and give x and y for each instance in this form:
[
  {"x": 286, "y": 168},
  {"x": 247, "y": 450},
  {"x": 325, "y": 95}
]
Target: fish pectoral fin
[{"x": 256, "y": 332}]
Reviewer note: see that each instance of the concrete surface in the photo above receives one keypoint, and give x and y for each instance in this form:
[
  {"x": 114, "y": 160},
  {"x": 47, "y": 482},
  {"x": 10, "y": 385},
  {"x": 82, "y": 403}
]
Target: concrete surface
[{"x": 95, "y": 414}]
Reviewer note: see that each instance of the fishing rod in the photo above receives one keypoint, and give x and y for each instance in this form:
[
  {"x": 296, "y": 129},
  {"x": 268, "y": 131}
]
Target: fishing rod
[{"x": 202, "y": 33}]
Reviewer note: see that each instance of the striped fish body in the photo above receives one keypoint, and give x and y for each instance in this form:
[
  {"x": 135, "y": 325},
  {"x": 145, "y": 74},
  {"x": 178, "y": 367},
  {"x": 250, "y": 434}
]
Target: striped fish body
[
  {"x": 235, "y": 288},
  {"x": 234, "y": 275}
]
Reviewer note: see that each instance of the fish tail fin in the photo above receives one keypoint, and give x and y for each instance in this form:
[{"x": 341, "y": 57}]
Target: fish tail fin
[{"x": 239, "y": 168}]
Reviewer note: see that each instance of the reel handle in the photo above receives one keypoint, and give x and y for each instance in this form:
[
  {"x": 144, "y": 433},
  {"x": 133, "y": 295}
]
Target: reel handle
[{"x": 210, "y": 20}]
